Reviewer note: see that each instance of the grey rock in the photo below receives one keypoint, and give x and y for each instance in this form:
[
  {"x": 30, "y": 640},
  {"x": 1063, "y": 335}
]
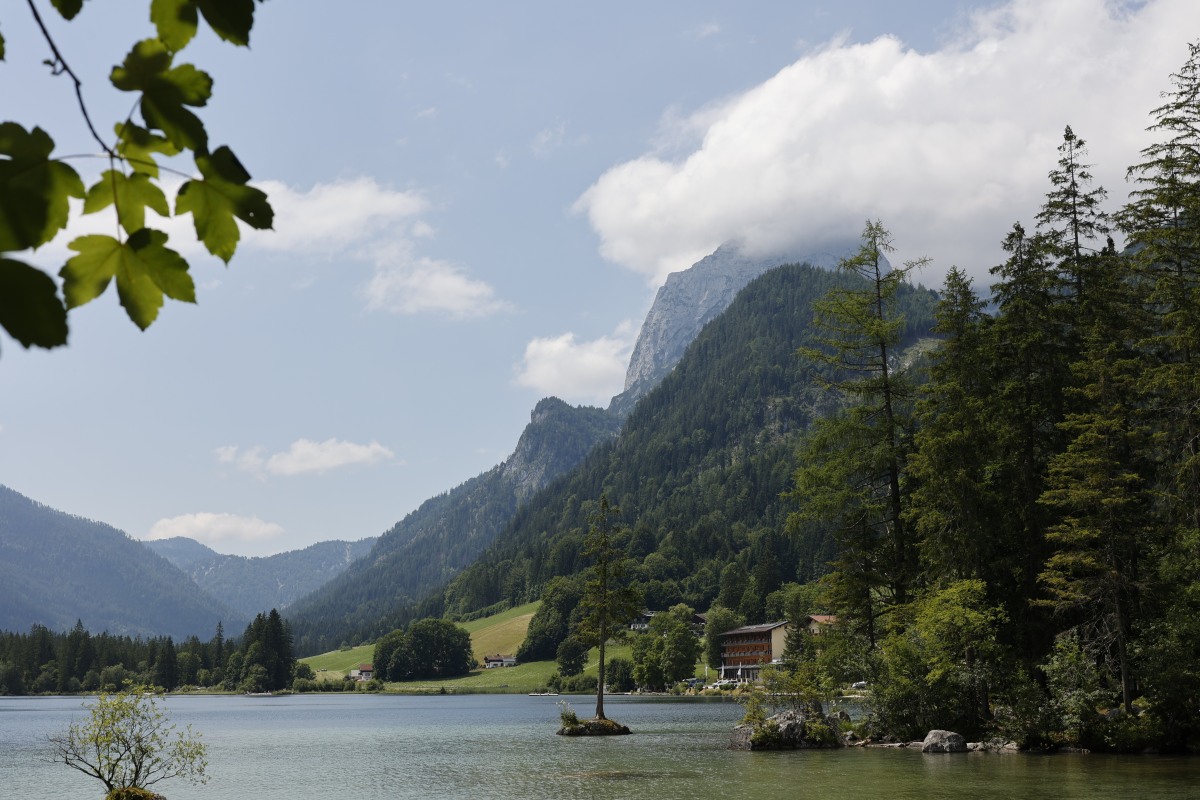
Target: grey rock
[
  {"x": 943, "y": 742},
  {"x": 788, "y": 730},
  {"x": 690, "y": 299}
]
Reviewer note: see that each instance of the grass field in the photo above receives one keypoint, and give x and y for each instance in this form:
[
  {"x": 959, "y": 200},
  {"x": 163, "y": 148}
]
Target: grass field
[{"x": 501, "y": 633}]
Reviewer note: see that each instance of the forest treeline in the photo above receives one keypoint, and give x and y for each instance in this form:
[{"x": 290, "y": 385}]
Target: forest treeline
[
  {"x": 48, "y": 662},
  {"x": 1008, "y": 524},
  {"x": 1018, "y": 541}
]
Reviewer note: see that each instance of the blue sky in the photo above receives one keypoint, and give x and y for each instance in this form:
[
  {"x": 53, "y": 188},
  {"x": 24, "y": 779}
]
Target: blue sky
[{"x": 475, "y": 203}]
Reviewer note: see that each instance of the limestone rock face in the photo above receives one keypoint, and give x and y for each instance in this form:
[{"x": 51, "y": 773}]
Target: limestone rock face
[
  {"x": 559, "y": 436},
  {"x": 943, "y": 742},
  {"x": 692, "y": 298},
  {"x": 788, "y": 730}
]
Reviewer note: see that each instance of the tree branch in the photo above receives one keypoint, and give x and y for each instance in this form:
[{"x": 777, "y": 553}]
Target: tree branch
[{"x": 59, "y": 65}]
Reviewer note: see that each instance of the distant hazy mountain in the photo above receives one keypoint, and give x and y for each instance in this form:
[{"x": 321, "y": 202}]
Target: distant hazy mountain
[
  {"x": 252, "y": 585},
  {"x": 56, "y": 568},
  {"x": 447, "y": 532}
]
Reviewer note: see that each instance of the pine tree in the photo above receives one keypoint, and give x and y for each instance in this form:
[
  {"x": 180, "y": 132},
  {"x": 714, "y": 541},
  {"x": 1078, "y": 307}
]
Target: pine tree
[
  {"x": 1162, "y": 223},
  {"x": 1072, "y": 220},
  {"x": 953, "y": 504},
  {"x": 1030, "y": 368},
  {"x": 609, "y": 598},
  {"x": 851, "y": 466}
]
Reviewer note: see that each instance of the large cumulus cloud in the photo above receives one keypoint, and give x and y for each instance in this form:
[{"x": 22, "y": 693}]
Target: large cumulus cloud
[{"x": 948, "y": 148}]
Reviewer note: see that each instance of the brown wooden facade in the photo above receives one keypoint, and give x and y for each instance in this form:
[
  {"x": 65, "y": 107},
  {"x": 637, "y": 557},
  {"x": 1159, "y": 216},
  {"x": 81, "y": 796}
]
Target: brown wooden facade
[{"x": 745, "y": 650}]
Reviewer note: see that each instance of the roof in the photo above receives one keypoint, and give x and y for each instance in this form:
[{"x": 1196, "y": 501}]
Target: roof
[
  {"x": 763, "y": 628},
  {"x": 366, "y": 667},
  {"x": 823, "y": 619}
]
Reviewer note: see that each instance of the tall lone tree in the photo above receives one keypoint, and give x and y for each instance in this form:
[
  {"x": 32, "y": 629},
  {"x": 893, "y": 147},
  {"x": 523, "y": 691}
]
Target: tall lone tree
[{"x": 609, "y": 599}]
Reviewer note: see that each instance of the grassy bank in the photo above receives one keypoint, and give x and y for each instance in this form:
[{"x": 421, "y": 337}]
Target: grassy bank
[{"x": 500, "y": 633}]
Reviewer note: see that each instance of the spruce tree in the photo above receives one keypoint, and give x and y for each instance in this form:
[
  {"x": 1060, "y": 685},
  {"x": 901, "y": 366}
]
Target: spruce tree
[
  {"x": 953, "y": 502},
  {"x": 609, "y": 599},
  {"x": 1072, "y": 219},
  {"x": 852, "y": 463},
  {"x": 1030, "y": 368},
  {"x": 1162, "y": 223}
]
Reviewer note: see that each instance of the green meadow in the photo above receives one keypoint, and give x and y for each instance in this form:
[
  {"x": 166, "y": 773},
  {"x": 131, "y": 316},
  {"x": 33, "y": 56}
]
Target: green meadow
[{"x": 501, "y": 633}]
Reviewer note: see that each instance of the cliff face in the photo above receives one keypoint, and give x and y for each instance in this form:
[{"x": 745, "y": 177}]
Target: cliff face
[
  {"x": 690, "y": 299},
  {"x": 434, "y": 542},
  {"x": 557, "y": 438}
]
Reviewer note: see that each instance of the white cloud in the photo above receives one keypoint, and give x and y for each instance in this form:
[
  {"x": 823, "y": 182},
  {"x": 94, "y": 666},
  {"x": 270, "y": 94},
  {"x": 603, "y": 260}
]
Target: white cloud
[
  {"x": 705, "y": 30},
  {"x": 303, "y": 456},
  {"x": 223, "y": 532},
  {"x": 549, "y": 139},
  {"x": 367, "y": 222},
  {"x": 405, "y": 283},
  {"x": 330, "y": 218},
  {"x": 578, "y": 372},
  {"x": 309, "y": 456},
  {"x": 349, "y": 220},
  {"x": 948, "y": 148}
]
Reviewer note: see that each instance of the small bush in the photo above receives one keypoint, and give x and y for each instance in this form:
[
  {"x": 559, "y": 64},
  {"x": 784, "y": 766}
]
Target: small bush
[
  {"x": 767, "y": 736},
  {"x": 567, "y": 714}
]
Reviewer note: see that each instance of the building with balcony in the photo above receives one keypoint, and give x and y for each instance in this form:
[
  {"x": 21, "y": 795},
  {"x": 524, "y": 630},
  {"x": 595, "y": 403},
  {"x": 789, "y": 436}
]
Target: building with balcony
[{"x": 745, "y": 650}]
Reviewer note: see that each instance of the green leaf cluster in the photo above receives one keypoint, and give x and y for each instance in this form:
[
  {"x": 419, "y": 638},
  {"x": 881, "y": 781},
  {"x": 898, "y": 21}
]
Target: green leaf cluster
[{"x": 35, "y": 187}]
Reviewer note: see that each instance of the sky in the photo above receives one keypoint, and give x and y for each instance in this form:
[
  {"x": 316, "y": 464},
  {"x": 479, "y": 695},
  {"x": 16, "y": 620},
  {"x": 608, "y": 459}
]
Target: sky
[{"x": 476, "y": 202}]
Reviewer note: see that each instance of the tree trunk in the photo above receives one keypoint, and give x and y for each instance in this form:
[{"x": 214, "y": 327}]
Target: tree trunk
[{"x": 600, "y": 682}]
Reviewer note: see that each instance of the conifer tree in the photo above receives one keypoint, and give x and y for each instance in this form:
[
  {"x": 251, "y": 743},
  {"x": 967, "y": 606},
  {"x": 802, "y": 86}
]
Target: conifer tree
[
  {"x": 953, "y": 502},
  {"x": 609, "y": 599},
  {"x": 1030, "y": 370},
  {"x": 1071, "y": 219},
  {"x": 1162, "y": 226},
  {"x": 852, "y": 464},
  {"x": 1162, "y": 223},
  {"x": 1100, "y": 486}
]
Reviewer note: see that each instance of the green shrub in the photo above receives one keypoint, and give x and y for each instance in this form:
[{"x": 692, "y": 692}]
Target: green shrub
[
  {"x": 767, "y": 736},
  {"x": 567, "y": 714}
]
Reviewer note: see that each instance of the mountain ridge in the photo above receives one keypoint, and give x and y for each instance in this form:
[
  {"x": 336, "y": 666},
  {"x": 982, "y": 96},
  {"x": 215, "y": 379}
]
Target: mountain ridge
[
  {"x": 57, "y": 568},
  {"x": 252, "y": 585}
]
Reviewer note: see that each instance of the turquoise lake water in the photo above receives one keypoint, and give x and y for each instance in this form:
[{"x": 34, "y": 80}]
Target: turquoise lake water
[{"x": 363, "y": 747}]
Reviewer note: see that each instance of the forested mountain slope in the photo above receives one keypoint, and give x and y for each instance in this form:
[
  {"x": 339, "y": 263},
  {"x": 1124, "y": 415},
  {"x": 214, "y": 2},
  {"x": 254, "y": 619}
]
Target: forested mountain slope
[
  {"x": 56, "y": 568},
  {"x": 250, "y": 585},
  {"x": 692, "y": 298},
  {"x": 699, "y": 467},
  {"x": 447, "y": 532}
]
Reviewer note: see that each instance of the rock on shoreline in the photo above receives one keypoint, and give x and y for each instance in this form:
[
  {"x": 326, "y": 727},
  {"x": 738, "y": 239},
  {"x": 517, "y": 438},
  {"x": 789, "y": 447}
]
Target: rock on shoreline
[
  {"x": 787, "y": 730},
  {"x": 594, "y": 727}
]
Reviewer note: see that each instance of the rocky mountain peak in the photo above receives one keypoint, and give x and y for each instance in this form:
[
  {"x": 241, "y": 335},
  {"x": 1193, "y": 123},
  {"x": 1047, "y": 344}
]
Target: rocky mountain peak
[{"x": 690, "y": 299}]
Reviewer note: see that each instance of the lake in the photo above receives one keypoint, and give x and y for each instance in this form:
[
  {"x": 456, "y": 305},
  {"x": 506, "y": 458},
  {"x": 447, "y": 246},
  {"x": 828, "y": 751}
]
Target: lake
[{"x": 363, "y": 747}]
